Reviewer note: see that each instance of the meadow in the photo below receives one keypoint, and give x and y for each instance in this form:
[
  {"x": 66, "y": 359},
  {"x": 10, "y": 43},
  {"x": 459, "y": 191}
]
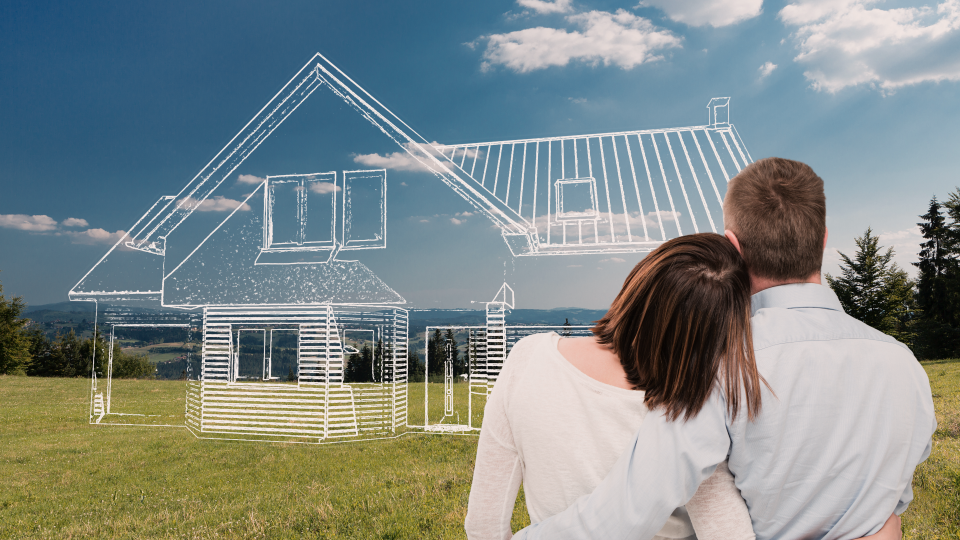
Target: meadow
[{"x": 64, "y": 478}]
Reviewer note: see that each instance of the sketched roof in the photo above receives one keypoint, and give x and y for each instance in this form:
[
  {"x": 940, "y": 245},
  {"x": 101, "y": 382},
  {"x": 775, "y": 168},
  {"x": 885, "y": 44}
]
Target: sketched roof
[
  {"x": 662, "y": 166},
  {"x": 170, "y": 212},
  {"x": 639, "y": 188},
  {"x": 601, "y": 193}
]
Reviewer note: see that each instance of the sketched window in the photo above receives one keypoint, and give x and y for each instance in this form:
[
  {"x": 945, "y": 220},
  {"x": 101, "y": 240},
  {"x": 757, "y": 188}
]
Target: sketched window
[
  {"x": 364, "y": 209},
  {"x": 301, "y": 211},
  {"x": 577, "y": 199}
]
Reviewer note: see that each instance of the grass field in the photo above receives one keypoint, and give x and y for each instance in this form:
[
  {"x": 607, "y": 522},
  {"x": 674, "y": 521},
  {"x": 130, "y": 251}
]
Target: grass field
[{"x": 63, "y": 478}]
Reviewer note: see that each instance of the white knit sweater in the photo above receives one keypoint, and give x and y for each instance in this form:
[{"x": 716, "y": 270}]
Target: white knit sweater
[{"x": 558, "y": 431}]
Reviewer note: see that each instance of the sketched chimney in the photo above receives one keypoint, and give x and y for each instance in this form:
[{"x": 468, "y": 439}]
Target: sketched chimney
[{"x": 718, "y": 112}]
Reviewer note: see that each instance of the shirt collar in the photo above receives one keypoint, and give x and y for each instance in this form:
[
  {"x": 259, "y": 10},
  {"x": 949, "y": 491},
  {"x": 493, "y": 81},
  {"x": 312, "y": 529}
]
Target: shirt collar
[{"x": 795, "y": 295}]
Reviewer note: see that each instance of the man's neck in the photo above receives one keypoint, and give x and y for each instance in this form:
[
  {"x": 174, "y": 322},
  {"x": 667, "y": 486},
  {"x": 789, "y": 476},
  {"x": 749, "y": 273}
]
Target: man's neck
[{"x": 758, "y": 283}]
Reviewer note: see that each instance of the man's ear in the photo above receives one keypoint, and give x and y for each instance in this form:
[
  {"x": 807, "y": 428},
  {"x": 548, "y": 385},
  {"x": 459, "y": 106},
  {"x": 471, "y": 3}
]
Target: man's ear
[
  {"x": 826, "y": 233},
  {"x": 733, "y": 240}
]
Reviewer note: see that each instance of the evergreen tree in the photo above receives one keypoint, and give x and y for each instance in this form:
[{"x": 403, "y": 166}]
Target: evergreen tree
[
  {"x": 566, "y": 328},
  {"x": 360, "y": 366},
  {"x": 934, "y": 263},
  {"x": 414, "y": 367},
  {"x": 873, "y": 289},
  {"x": 936, "y": 330},
  {"x": 459, "y": 366},
  {"x": 436, "y": 355},
  {"x": 381, "y": 363},
  {"x": 14, "y": 343}
]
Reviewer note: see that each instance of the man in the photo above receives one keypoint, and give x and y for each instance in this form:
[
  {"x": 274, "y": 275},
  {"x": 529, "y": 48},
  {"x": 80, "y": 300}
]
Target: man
[{"x": 847, "y": 418}]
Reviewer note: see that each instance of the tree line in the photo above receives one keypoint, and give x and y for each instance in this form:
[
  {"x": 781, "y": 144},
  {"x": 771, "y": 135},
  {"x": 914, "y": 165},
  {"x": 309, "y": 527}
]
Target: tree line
[
  {"x": 26, "y": 350},
  {"x": 922, "y": 313}
]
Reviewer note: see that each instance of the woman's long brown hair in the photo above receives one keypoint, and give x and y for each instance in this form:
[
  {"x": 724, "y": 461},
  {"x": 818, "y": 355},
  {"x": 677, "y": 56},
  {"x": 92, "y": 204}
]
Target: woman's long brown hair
[{"x": 681, "y": 323}]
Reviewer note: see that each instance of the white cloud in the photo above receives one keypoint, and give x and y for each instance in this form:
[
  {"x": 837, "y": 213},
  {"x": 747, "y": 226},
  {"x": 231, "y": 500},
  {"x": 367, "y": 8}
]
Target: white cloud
[
  {"x": 665, "y": 215},
  {"x": 216, "y": 203},
  {"x": 424, "y": 221},
  {"x": 399, "y": 161},
  {"x": 622, "y": 39},
  {"x": 906, "y": 247},
  {"x": 848, "y": 43},
  {"x": 574, "y": 266},
  {"x": 545, "y": 6},
  {"x": 766, "y": 69},
  {"x": 456, "y": 221},
  {"x": 613, "y": 259},
  {"x": 95, "y": 236},
  {"x": 465, "y": 214},
  {"x": 404, "y": 184},
  {"x": 75, "y": 222},
  {"x": 715, "y": 13},
  {"x": 578, "y": 101},
  {"x": 323, "y": 188},
  {"x": 24, "y": 222},
  {"x": 249, "y": 179}
]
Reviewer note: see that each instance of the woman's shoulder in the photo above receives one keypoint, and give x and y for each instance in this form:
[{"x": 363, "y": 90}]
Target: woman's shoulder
[{"x": 533, "y": 345}]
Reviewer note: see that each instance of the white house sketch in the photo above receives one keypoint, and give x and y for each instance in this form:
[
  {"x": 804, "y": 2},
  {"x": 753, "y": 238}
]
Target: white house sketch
[{"x": 275, "y": 288}]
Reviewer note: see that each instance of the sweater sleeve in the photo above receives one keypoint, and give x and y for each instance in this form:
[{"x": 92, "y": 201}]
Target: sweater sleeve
[
  {"x": 497, "y": 473},
  {"x": 718, "y": 511}
]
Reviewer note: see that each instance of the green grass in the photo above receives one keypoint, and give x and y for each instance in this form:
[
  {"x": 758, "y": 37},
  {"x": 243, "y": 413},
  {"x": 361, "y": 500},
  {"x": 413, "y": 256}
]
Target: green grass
[
  {"x": 63, "y": 478},
  {"x": 935, "y": 511}
]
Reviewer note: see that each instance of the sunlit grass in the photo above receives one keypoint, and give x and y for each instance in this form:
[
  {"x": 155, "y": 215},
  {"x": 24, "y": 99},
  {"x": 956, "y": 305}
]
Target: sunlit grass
[
  {"x": 935, "y": 511},
  {"x": 64, "y": 478}
]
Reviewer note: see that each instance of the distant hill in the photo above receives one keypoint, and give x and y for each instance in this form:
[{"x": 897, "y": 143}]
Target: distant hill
[{"x": 66, "y": 307}]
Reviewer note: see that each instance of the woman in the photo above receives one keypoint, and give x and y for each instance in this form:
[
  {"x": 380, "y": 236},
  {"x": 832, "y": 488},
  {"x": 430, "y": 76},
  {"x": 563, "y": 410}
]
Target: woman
[{"x": 564, "y": 409}]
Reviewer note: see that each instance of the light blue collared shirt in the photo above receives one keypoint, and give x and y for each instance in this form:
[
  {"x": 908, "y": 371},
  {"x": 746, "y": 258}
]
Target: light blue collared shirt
[{"x": 831, "y": 456}]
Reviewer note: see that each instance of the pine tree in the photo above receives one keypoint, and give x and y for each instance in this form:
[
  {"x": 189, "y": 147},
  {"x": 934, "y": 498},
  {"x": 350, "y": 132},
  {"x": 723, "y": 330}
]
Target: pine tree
[
  {"x": 414, "y": 367},
  {"x": 359, "y": 366},
  {"x": 437, "y": 355},
  {"x": 458, "y": 366},
  {"x": 14, "y": 343},
  {"x": 933, "y": 264},
  {"x": 937, "y": 334},
  {"x": 873, "y": 289}
]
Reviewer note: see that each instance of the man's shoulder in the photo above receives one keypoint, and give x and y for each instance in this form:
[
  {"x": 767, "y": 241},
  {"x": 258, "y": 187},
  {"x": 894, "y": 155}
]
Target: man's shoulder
[{"x": 772, "y": 327}]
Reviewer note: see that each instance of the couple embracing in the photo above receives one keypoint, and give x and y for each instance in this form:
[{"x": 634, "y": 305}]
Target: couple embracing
[{"x": 724, "y": 395}]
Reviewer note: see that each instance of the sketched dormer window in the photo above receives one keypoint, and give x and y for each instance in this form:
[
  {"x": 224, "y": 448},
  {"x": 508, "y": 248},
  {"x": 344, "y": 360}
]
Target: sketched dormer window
[
  {"x": 301, "y": 211},
  {"x": 577, "y": 199},
  {"x": 325, "y": 211}
]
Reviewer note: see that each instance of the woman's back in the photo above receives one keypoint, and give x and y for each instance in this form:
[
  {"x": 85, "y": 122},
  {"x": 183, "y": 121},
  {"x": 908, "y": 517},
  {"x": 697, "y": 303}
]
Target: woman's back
[{"x": 566, "y": 428}]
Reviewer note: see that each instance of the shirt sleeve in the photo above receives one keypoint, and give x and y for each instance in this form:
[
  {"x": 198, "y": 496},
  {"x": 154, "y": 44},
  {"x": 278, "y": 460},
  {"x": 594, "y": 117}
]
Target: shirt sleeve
[
  {"x": 907, "y": 496},
  {"x": 658, "y": 472},
  {"x": 718, "y": 511},
  {"x": 497, "y": 475}
]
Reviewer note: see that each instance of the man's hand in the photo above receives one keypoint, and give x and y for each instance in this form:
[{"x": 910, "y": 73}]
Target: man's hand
[{"x": 890, "y": 531}]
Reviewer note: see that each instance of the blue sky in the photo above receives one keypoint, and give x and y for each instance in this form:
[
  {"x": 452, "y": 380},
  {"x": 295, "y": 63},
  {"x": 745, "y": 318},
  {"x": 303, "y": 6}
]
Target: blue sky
[{"x": 104, "y": 107}]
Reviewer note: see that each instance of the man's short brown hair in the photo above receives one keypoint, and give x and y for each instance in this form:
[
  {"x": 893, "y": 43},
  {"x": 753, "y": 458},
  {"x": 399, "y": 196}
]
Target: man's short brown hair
[{"x": 777, "y": 210}]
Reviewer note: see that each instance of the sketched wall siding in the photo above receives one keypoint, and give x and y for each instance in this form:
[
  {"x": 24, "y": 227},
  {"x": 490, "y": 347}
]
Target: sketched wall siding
[
  {"x": 636, "y": 188},
  {"x": 319, "y": 406}
]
